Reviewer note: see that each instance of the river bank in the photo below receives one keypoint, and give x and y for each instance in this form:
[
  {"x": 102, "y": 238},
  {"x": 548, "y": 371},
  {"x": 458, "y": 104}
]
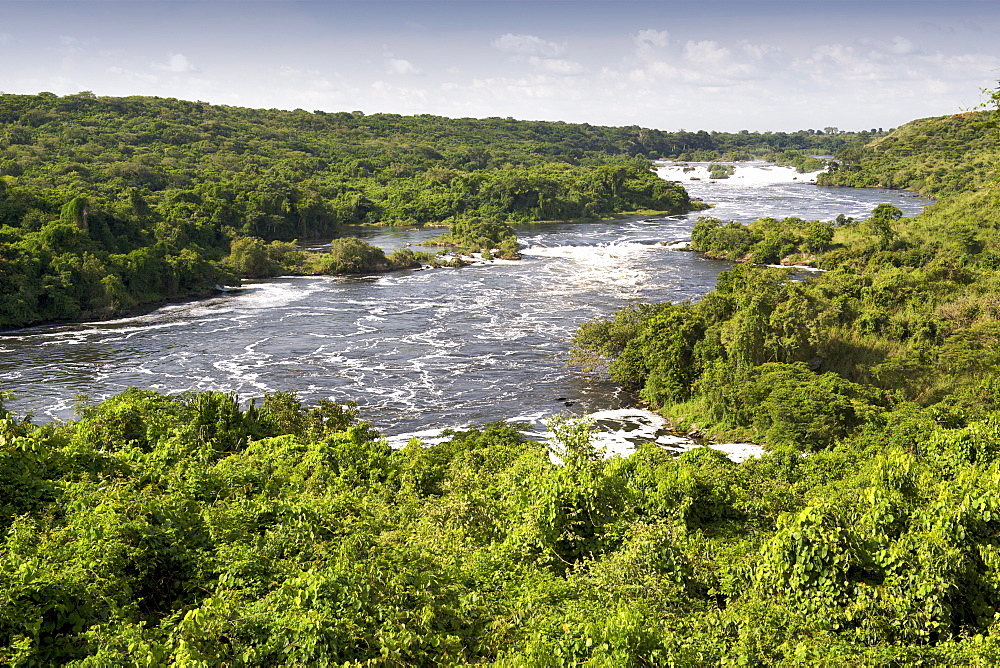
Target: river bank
[{"x": 417, "y": 349}]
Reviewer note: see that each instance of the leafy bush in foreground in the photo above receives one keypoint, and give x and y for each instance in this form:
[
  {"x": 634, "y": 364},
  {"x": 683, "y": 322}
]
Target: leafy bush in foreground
[{"x": 187, "y": 529}]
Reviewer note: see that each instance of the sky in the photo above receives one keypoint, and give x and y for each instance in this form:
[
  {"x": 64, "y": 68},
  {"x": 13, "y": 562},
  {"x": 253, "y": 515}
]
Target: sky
[{"x": 694, "y": 65}]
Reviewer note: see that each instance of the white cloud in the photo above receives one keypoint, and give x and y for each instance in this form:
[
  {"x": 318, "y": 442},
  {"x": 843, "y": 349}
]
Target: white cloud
[
  {"x": 902, "y": 45},
  {"x": 527, "y": 45},
  {"x": 556, "y": 66},
  {"x": 730, "y": 73},
  {"x": 760, "y": 52},
  {"x": 288, "y": 72},
  {"x": 538, "y": 87},
  {"x": 177, "y": 62},
  {"x": 307, "y": 82},
  {"x": 388, "y": 95},
  {"x": 663, "y": 70},
  {"x": 698, "y": 64},
  {"x": 706, "y": 53},
  {"x": 647, "y": 38},
  {"x": 781, "y": 82},
  {"x": 833, "y": 63},
  {"x": 400, "y": 66}
]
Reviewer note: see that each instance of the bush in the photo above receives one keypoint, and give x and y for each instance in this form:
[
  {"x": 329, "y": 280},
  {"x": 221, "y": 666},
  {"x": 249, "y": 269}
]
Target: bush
[
  {"x": 351, "y": 256},
  {"x": 250, "y": 257},
  {"x": 480, "y": 233}
]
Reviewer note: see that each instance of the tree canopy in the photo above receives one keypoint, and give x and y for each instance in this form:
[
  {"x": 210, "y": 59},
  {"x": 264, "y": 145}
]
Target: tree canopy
[{"x": 108, "y": 203}]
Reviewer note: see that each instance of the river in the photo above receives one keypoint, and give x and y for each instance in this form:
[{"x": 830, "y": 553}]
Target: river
[{"x": 423, "y": 349}]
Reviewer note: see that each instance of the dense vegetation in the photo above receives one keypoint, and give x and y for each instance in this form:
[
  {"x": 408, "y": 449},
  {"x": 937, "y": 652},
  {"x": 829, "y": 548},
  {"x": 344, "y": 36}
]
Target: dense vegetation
[
  {"x": 157, "y": 530},
  {"x": 934, "y": 156},
  {"x": 154, "y": 530},
  {"x": 884, "y": 372},
  {"x": 802, "y": 162},
  {"x": 764, "y": 241},
  {"x": 903, "y": 316},
  {"x": 717, "y": 171},
  {"x": 107, "y": 203}
]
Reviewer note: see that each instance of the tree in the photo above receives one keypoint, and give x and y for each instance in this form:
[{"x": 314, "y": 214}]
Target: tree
[
  {"x": 880, "y": 222},
  {"x": 249, "y": 257},
  {"x": 994, "y": 102}
]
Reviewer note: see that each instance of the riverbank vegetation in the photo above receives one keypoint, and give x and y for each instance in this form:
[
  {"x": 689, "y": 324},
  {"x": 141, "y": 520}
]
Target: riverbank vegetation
[
  {"x": 902, "y": 314},
  {"x": 250, "y": 257},
  {"x": 109, "y": 203},
  {"x": 158, "y": 190},
  {"x": 885, "y": 363},
  {"x": 801, "y": 161},
  {"x": 765, "y": 241},
  {"x": 796, "y": 149},
  {"x": 159, "y": 530},
  {"x": 486, "y": 236}
]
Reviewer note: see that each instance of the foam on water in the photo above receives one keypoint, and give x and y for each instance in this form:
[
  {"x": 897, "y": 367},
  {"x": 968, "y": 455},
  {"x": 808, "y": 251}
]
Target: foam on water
[
  {"x": 417, "y": 348},
  {"x": 617, "y": 433},
  {"x": 599, "y": 253},
  {"x": 753, "y": 173},
  {"x": 621, "y": 267},
  {"x": 427, "y": 437},
  {"x": 276, "y": 294},
  {"x": 739, "y": 452},
  {"x": 758, "y": 190}
]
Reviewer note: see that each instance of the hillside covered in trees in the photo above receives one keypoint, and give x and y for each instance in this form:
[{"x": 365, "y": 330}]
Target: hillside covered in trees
[
  {"x": 884, "y": 368},
  {"x": 933, "y": 156},
  {"x": 902, "y": 315}
]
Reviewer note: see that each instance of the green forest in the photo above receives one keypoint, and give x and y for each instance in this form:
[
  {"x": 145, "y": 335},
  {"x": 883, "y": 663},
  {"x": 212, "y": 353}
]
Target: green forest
[
  {"x": 933, "y": 156},
  {"x": 190, "y": 530},
  {"x": 110, "y": 203}
]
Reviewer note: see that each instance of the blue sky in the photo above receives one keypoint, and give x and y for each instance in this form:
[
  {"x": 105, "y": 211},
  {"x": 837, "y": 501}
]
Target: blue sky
[{"x": 670, "y": 65}]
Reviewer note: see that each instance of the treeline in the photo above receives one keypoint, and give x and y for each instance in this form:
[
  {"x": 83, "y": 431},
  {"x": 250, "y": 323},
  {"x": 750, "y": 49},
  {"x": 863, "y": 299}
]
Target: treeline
[
  {"x": 108, "y": 203},
  {"x": 933, "y": 156},
  {"x": 164, "y": 144}
]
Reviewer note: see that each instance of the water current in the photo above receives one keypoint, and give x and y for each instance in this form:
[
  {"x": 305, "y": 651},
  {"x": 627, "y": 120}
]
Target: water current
[{"x": 424, "y": 349}]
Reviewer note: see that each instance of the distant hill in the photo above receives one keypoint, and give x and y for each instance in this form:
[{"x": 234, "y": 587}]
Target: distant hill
[{"x": 933, "y": 156}]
